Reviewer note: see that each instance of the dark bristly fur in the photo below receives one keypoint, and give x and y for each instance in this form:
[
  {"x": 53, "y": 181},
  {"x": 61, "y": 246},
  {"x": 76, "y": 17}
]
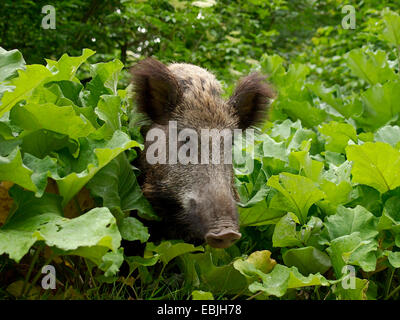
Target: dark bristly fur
[
  {"x": 251, "y": 99},
  {"x": 194, "y": 199},
  {"x": 157, "y": 90}
]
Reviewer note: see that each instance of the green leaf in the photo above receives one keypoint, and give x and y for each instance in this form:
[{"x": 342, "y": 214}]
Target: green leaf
[
  {"x": 285, "y": 234},
  {"x": 394, "y": 258},
  {"x": 12, "y": 169},
  {"x": 279, "y": 280},
  {"x": 300, "y": 193},
  {"x": 105, "y": 152},
  {"x": 116, "y": 184},
  {"x": 136, "y": 261},
  {"x": 111, "y": 262},
  {"x": 202, "y": 295},
  {"x": 310, "y": 116},
  {"x": 390, "y": 135},
  {"x": 302, "y": 162},
  {"x": 338, "y": 135},
  {"x": 132, "y": 229},
  {"x": 376, "y": 165},
  {"x": 168, "y": 251},
  {"x": 392, "y": 31},
  {"x": 381, "y": 104},
  {"x": 38, "y": 219},
  {"x": 352, "y": 233},
  {"x": 221, "y": 279},
  {"x": 24, "y": 84},
  {"x": 66, "y": 67},
  {"x": 348, "y": 221},
  {"x": 357, "y": 293},
  {"x": 96, "y": 227},
  {"x": 48, "y": 116},
  {"x": 104, "y": 81},
  {"x": 108, "y": 110},
  {"x": 41, "y": 143},
  {"x": 259, "y": 215},
  {"x": 390, "y": 218},
  {"x": 307, "y": 260},
  {"x": 10, "y": 62},
  {"x": 372, "y": 67}
]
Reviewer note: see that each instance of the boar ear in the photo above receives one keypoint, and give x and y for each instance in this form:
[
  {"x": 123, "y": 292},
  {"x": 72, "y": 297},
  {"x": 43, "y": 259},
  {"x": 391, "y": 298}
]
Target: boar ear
[
  {"x": 251, "y": 99},
  {"x": 156, "y": 90}
]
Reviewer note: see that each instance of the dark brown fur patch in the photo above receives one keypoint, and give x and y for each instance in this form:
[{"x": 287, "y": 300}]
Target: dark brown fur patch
[
  {"x": 251, "y": 99},
  {"x": 157, "y": 92}
]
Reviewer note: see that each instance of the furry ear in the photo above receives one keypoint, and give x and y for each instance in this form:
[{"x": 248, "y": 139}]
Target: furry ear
[
  {"x": 251, "y": 99},
  {"x": 156, "y": 90}
]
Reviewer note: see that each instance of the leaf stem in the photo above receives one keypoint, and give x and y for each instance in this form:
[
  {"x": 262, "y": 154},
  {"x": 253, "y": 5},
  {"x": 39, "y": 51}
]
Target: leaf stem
[
  {"x": 389, "y": 282},
  {"x": 33, "y": 262},
  {"x": 158, "y": 279},
  {"x": 35, "y": 279},
  {"x": 393, "y": 293}
]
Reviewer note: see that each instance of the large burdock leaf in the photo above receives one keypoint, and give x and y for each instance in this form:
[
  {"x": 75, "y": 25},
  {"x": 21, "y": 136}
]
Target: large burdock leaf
[
  {"x": 104, "y": 81},
  {"x": 382, "y": 104},
  {"x": 338, "y": 135},
  {"x": 105, "y": 152},
  {"x": 307, "y": 260},
  {"x": 66, "y": 67},
  {"x": 219, "y": 279},
  {"x": 96, "y": 227},
  {"x": 10, "y": 62},
  {"x": 259, "y": 215},
  {"x": 285, "y": 234},
  {"x": 48, "y": 116},
  {"x": 352, "y": 233},
  {"x": 24, "y": 84},
  {"x": 279, "y": 280},
  {"x": 376, "y": 165},
  {"x": 310, "y": 116},
  {"x": 390, "y": 135},
  {"x": 392, "y": 31},
  {"x": 299, "y": 194},
  {"x": 13, "y": 169},
  {"x": 108, "y": 110},
  {"x": 41, "y": 219},
  {"x": 348, "y": 221},
  {"x": 372, "y": 67},
  {"x": 116, "y": 184}
]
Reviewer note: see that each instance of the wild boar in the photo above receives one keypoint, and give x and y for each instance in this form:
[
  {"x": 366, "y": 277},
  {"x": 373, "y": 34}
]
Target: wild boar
[{"x": 196, "y": 199}]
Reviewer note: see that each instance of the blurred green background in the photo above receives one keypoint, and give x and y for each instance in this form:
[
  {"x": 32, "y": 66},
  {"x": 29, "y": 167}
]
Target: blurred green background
[{"x": 226, "y": 37}]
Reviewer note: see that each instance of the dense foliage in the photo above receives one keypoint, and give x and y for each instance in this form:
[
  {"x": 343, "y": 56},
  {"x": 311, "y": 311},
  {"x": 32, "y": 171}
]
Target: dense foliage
[{"x": 324, "y": 192}]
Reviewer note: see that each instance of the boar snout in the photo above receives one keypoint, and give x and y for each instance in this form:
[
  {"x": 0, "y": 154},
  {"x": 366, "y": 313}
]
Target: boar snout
[{"x": 223, "y": 239}]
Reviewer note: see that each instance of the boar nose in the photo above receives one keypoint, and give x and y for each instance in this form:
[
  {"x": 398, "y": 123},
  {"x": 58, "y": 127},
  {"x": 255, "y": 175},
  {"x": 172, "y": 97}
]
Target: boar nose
[{"x": 223, "y": 239}]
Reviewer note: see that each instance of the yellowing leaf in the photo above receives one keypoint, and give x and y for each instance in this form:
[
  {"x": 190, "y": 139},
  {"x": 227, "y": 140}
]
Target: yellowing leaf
[{"x": 262, "y": 260}]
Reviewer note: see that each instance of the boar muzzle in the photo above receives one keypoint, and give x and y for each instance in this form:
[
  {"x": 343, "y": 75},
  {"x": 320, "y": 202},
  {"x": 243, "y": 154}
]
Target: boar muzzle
[{"x": 223, "y": 239}]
